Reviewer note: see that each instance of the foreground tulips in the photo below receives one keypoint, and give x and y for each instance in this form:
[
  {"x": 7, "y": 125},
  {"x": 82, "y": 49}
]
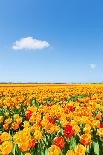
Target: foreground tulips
[{"x": 51, "y": 119}]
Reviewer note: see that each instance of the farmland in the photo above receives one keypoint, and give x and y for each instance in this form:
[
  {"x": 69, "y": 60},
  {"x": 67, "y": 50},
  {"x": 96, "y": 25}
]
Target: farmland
[{"x": 51, "y": 119}]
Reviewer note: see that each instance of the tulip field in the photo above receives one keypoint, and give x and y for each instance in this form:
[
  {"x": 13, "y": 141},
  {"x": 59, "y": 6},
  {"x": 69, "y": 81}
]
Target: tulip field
[{"x": 51, "y": 119}]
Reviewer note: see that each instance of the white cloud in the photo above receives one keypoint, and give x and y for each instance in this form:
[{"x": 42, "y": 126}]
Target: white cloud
[
  {"x": 92, "y": 66},
  {"x": 30, "y": 43}
]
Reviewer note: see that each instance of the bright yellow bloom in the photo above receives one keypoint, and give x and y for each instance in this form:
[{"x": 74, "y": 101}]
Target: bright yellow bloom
[
  {"x": 6, "y": 147},
  {"x": 24, "y": 146},
  {"x": 18, "y": 107},
  {"x": 27, "y": 153},
  {"x": 19, "y": 120},
  {"x": 54, "y": 150},
  {"x": 76, "y": 129},
  {"x": 6, "y": 114},
  {"x": 38, "y": 134},
  {"x": 16, "y": 116},
  {"x": 95, "y": 123},
  {"x": 4, "y": 136},
  {"x": 87, "y": 129},
  {"x": 100, "y": 132},
  {"x": 80, "y": 150},
  {"x": 70, "y": 152},
  {"x": 1, "y": 119},
  {"x": 26, "y": 124}
]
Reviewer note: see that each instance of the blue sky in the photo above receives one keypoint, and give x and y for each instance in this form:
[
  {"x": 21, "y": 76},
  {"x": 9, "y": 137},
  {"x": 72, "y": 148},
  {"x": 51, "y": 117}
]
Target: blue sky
[{"x": 51, "y": 41}]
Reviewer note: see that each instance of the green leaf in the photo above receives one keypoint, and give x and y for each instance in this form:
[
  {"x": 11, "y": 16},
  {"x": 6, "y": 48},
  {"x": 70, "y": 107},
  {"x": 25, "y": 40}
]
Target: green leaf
[
  {"x": 88, "y": 149},
  {"x": 14, "y": 149},
  {"x": 46, "y": 151},
  {"x": 72, "y": 143},
  {"x": 96, "y": 148},
  {"x": 59, "y": 133}
]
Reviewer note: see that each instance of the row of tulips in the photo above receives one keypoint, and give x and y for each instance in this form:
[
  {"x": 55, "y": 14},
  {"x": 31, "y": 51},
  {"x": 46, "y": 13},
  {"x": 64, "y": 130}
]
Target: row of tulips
[{"x": 51, "y": 120}]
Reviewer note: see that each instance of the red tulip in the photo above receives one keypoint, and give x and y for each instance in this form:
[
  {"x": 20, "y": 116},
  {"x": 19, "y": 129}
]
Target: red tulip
[
  {"x": 101, "y": 125},
  {"x": 32, "y": 143},
  {"x": 59, "y": 141},
  {"x": 28, "y": 114},
  {"x": 68, "y": 132},
  {"x": 51, "y": 120},
  {"x": 69, "y": 108},
  {"x": 39, "y": 123}
]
